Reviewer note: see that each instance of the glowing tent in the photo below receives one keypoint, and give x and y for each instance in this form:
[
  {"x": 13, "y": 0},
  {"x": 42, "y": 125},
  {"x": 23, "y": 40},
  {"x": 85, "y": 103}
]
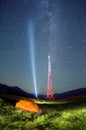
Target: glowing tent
[{"x": 27, "y": 106}]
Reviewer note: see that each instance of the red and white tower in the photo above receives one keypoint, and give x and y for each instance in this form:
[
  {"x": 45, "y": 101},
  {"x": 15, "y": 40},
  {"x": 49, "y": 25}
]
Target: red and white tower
[{"x": 50, "y": 94}]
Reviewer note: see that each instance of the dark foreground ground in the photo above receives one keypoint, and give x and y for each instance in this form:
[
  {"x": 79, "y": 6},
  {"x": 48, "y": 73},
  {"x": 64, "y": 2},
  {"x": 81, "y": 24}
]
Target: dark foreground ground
[{"x": 54, "y": 116}]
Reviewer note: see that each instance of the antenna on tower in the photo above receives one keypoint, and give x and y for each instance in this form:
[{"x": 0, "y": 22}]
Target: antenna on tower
[{"x": 50, "y": 93}]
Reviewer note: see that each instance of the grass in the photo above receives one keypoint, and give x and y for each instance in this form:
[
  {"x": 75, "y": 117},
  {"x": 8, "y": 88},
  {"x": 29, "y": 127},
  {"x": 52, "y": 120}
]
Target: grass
[{"x": 68, "y": 116}]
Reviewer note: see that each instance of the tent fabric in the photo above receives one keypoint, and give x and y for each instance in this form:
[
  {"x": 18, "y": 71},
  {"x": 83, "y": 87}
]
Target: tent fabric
[{"x": 28, "y": 106}]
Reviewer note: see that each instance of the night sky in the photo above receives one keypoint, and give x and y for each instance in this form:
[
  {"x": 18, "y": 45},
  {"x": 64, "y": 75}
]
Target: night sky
[{"x": 59, "y": 31}]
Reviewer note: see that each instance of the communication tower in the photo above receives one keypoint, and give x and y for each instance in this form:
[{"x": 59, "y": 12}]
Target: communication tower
[{"x": 50, "y": 93}]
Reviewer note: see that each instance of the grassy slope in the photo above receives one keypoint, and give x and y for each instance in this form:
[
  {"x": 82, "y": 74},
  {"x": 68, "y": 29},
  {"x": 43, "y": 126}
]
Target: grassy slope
[{"x": 68, "y": 116}]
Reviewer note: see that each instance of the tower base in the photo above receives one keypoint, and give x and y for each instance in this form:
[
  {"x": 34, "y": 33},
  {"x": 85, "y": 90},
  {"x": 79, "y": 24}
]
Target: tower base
[{"x": 50, "y": 97}]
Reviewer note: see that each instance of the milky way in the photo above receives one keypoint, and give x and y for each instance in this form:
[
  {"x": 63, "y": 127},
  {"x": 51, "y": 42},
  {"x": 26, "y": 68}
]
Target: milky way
[{"x": 60, "y": 30}]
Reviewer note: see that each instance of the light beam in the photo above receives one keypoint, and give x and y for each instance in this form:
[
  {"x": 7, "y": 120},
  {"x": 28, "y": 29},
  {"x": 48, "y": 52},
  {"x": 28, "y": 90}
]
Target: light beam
[{"x": 32, "y": 54}]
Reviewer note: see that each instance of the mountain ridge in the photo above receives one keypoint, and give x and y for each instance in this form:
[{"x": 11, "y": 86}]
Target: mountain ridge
[{"x": 4, "y": 89}]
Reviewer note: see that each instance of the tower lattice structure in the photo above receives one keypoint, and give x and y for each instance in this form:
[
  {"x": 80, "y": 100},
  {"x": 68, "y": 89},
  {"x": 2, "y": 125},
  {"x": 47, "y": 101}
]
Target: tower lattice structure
[{"x": 50, "y": 93}]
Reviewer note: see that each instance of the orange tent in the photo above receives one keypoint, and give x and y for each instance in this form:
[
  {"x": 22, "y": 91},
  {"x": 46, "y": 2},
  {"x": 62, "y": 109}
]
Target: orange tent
[{"x": 27, "y": 106}]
